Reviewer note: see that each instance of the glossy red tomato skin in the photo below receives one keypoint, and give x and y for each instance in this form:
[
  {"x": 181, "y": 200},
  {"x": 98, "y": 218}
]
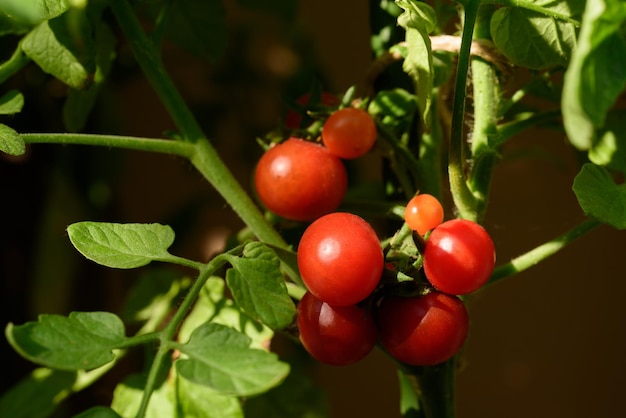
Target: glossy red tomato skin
[
  {"x": 340, "y": 259},
  {"x": 349, "y": 133},
  {"x": 459, "y": 257},
  {"x": 335, "y": 335},
  {"x": 424, "y": 330},
  {"x": 300, "y": 180},
  {"x": 423, "y": 213}
]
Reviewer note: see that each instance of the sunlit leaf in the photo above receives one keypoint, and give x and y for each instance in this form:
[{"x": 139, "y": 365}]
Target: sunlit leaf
[
  {"x": 83, "y": 340},
  {"x": 257, "y": 285},
  {"x": 61, "y": 51},
  {"x": 596, "y": 75},
  {"x": 10, "y": 141},
  {"x": 221, "y": 358},
  {"x": 419, "y": 20},
  {"x": 121, "y": 245}
]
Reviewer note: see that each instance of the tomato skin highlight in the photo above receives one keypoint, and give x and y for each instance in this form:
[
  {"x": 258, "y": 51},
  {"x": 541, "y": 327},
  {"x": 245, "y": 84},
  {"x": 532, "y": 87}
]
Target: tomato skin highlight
[
  {"x": 335, "y": 335},
  {"x": 423, "y": 330},
  {"x": 459, "y": 257},
  {"x": 340, "y": 259},
  {"x": 349, "y": 133},
  {"x": 300, "y": 180},
  {"x": 423, "y": 213}
]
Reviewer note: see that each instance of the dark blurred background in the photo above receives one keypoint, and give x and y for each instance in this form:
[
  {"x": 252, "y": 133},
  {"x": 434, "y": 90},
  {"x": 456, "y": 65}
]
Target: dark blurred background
[{"x": 549, "y": 342}]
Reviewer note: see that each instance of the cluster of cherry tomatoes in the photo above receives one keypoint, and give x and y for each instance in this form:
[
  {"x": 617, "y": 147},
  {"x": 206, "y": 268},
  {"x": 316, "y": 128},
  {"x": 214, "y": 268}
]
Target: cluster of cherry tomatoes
[
  {"x": 302, "y": 180},
  {"x": 347, "y": 309}
]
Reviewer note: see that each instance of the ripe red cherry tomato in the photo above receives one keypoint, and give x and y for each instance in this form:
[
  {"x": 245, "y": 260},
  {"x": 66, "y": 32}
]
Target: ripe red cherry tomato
[
  {"x": 424, "y": 330},
  {"x": 300, "y": 180},
  {"x": 349, "y": 133},
  {"x": 293, "y": 119},
  {"x": 423, "y": 212},
  {"x": 340, "y": 259},
  {"x": 336, "y": 335},
  {"x": 459, "y": 257}
]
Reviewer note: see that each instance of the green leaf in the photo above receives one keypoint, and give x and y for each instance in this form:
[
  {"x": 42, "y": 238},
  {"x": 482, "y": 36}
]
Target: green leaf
[
  {"x": 32, "y": 12},
  {"x": 154, "y": 294},
  {"x": 597, "y": 72},
  {"x": 79, "y": 103},
  {"x": 532, "y": 39},
  {"x": 128, "y": 394},
  {"x": 600, "y": 197},
  {"x": 11, "y": 102},
  {"x": 198, "y": 26},
  {"x": 84, "y": 340},
  {"x": 11, "y": 142},
  {"x": 37, "y": 395},
  {"x": 10, "y": 26},
  {"x": 122, "y": 245},
  {"x": 62, "y": 49},
  {"x": 15, "y": 63},
  {"x": 98, "y": 412},
  {"x": 257, "y": 285},
  {"x": 213, "y": 306},
  {"x": 175, "y": 397},
  {"x": 394, "y": 108},
  {"x": 419, "y": 20},
  {"x": 221, "y": 358},
  {"x": 199, "y": 401},
  {"x": 610, "y": 148}
]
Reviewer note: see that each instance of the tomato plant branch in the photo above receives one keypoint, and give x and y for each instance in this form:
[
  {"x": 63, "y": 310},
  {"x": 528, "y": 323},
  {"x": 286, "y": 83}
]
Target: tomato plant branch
[
  {"x": 162, "y": 146},
  {"x": 540, "y": 253},
  {"x": 435, "y": 388},
  {"x": 463, "y": 198},
  {"x": 205, "y": 158},
  {"x": 171, "y": 328},
  {"x": 523, "y": 122},
  {"x": 486, "y": 94}
]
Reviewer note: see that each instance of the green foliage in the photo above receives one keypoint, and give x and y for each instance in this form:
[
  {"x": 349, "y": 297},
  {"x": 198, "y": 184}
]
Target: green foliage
[
  {"x": 419, "y": 20},
  {"x": 209, "y": 336},
  {"x": 597, "y": 73},
  {"x": 38, "y": 394},
  {"x": 533, "y": 39},
  {"x": 32, "y": 12},
  {"x": 63, "y": 49},
  {"x": 98, "y": 412},
  {"x": 600, "y": 197},
  {"x": 258, "y": 286},
  {"x": 10, "y": 141},
  {"x": 122, "y": 245},
  {"x": 174, "y": 398},
  {"x": 11, "y": 102},
  {"x": 221, "y": 358},
  {"x": 81, "y": 341}
]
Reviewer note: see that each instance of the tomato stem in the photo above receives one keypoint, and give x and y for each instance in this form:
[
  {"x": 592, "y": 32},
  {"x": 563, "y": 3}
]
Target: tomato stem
[
  {"x": 461, "y": 194},
  {"x": 435, "y": 390},
  {"x": 204, "y": 158},
  {"x": 540, "y": 253}
]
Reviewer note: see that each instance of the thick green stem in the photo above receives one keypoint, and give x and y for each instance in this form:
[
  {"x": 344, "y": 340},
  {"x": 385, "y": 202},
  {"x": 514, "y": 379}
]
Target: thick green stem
[
  {"x": 435, "y": 387},
  {"x": 540, "y": 253},
  {"x": 486, "y": 94},
  {"x": 463, "y": 197},
  {"x": 205, "y": 157}
]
